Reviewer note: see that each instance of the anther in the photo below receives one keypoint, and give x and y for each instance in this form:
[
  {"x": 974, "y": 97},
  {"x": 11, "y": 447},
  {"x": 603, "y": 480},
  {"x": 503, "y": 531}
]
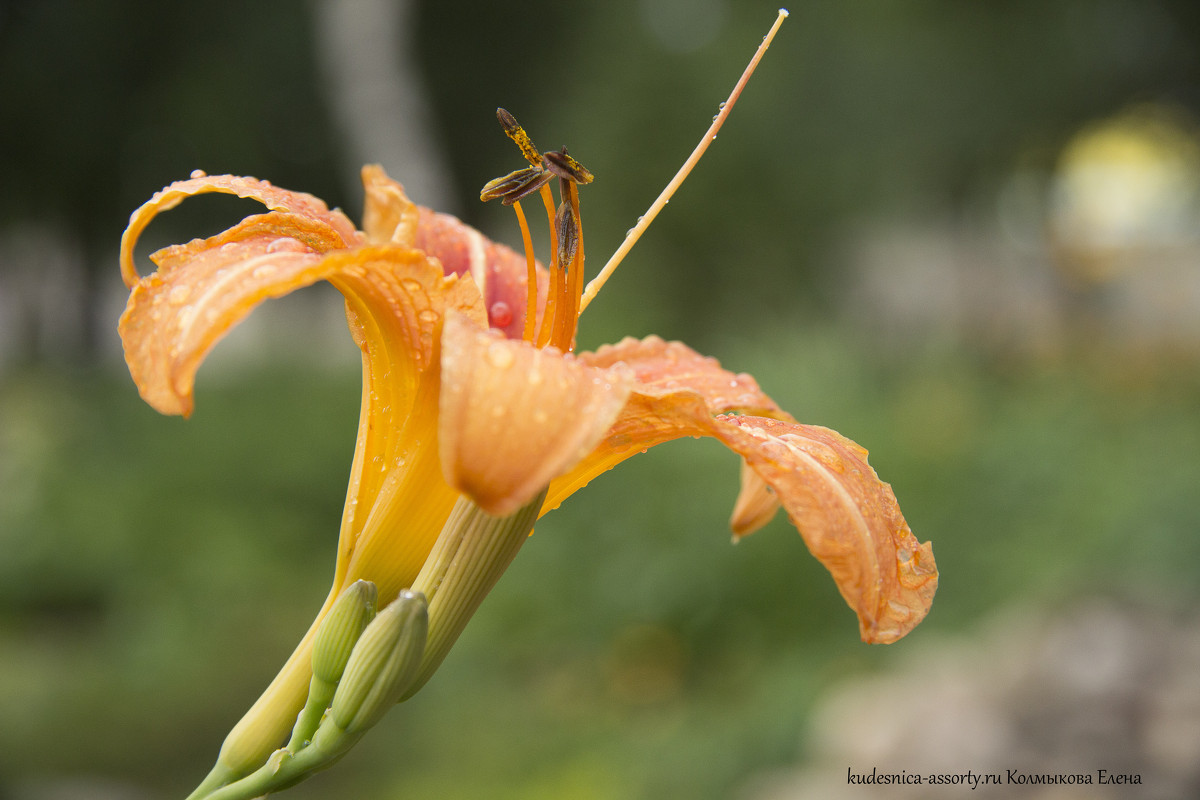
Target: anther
[
  {"x": 515, "y": 185},
  {"x": 567, "y": 229},
  {"x": 518, "y": 135},
  {"x": 566, "y": 167}
]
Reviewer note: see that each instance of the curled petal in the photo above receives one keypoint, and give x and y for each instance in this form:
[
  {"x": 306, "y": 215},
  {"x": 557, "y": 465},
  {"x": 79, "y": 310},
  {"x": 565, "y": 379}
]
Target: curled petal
[
  {"x": 175, "y": 316},
  {"x": 389, "y": 217},
  {"x": 755, "y": 506},
  {"x": 297, "y": 203},
  {"x": 848, "y": 517},
  {"x": 514, "y": 417},
  {"x": 676, "y": 391}
]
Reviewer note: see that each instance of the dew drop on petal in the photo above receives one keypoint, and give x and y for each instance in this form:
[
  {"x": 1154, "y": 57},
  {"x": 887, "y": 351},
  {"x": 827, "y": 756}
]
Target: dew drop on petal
[
  {"x": 775, "y": 450},
  {"x": 263, "y": 272},
  {"x": 500, "y": 314},
  {"x": 286, "y": 244},
  {"x": 179, "y": 295},
  {"x": 198, "y": 173},
  {"x": 427, "y": 315},
  {"x": 499, "y": 356}
]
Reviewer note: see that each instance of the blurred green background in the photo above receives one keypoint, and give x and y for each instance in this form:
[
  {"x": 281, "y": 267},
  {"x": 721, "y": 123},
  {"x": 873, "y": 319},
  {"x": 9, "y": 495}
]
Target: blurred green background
[{"x": 963, "y": 234}]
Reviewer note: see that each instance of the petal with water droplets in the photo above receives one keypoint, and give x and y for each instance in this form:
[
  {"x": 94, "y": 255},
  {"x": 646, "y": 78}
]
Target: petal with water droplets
[{"x": 514, "y": 417}]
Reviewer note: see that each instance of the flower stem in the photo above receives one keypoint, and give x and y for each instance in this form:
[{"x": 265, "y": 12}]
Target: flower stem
[{"x": 472, "y": 552}]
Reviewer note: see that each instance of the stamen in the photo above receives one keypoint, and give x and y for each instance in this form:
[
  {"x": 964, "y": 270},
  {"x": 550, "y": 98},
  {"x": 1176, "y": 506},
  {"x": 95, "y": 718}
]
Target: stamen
[
  {"x": 644, "y": 221},
  {"x": 548, "y": 314},
  {"x": 515, "y": 185},
  {"x": 571, "y": 259},
  {"x": 531, "y": 291},
  {"x": 518, "y": 135},
  {"x": 566, "y": 167}
]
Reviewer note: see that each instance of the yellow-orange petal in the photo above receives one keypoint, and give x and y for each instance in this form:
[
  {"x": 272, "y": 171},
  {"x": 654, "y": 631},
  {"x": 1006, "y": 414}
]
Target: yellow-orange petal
[
  {"x": 662, "y": 368},
  {"x": 676, "y": 390},
  {"x": 175, "y": 316},
  {"x": 297, "y": 203},
  {"x": 514, "y": 417},
  {"x": 755, "y": 506},
  {"x": 389, "y": 217},
  {"x": 848, "y": 517}
]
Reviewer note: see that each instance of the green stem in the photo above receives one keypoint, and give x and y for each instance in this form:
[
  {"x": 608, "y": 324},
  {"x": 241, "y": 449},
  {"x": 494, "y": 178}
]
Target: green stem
[{"x": 472, "y": 552}]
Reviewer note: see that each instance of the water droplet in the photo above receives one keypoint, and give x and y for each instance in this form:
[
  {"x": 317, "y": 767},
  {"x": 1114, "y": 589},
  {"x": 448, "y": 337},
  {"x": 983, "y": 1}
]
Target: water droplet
[
  {"x": 411, "y": 285},
  {"x": 286, "y": 244},
  {"x": 722, "y": 105},
  {"x": 500, "y": 314},
  {"x": 198, "y": 173},
  {"x": 179, "y": 295},
  {"x": 499, "y": 356},
  {"x": 264, "y": 271},
  {"x": 427, "y": 315},
  {"x": 775, "y": 450},
  {"x": 229, "y": 247}
]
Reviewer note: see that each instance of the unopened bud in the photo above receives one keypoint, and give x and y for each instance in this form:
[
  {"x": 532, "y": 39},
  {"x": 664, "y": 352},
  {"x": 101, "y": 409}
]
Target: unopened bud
[
  {"x": 332, "y": 645},
  {"x": 340, "y": 629},
  {"x": 383, "y": 663}
]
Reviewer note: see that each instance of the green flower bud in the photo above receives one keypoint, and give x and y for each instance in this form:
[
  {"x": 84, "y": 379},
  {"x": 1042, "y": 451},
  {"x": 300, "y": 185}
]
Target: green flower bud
[
  {"x": 383, "y": 664},
  {"x": 335, "y": 638},
  {"x": 341, "y": 628}
]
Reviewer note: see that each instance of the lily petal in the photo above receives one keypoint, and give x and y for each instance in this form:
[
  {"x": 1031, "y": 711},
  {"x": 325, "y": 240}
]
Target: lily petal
[
  {"x": 514, "y": 417},
  {"x": 202, "y": 289},
  {"x": 389, "y": 217},
  {"x": 755, "y": 506},
  {"x": 676, "y": 390},
  {"x": 847, "y": 516},
  {"x": 849, "y": 519},
  {"x": 298, "y": 203},
  {"x": 498, "y": 271}
]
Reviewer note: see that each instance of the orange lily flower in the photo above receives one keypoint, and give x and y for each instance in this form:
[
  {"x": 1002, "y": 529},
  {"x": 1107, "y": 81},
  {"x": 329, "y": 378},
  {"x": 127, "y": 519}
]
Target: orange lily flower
[
  {"x": 456, "y": 401},
  {"x": 477, "y": 417}
]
